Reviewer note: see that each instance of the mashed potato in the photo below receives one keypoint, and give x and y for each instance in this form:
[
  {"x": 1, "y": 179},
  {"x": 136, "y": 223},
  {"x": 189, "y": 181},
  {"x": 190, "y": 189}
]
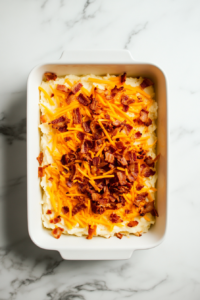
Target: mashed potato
[{"x": 49, "y": 104}]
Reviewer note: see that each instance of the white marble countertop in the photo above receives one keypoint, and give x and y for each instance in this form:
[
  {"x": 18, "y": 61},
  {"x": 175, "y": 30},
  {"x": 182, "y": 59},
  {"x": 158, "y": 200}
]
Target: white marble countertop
[{"x": 163, "y": 32}]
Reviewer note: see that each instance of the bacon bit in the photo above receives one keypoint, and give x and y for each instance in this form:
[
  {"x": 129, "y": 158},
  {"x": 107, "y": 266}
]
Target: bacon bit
[
  {"x": 77, "y": 208},
  {"x": 71, "y": 97},
  {"x": 77, "y": 118},
  {"x": 127, "y": 211},
  {"x": 57, "y": 232},
  {"x": 69, "y": 183},
  {"x": 95, "y": 196},
  {"x": 83, "y": 99},
  {"x": 60, "y": 124},
  {"x": 119, "y": 235},
  {"x": 138, "y": 134},
  {"x": 109, "y": 157},
  {"x": 145, "y": 83},
  {"x": 52, "y": 95},
  {"x": 123, "y": 78},
  {"x": 148, "y": 207},
  {"x": 96, "y": 161},
  {"x": 65, "y": 210},
  {"x": 97, "y": 209},
  {"x": 50, "y": 179},
  {"x": 49, "y": 212},
  {"x": 40, "y": 158},
  {"x": 146, "y": 171},
  {"x": 125, "y": 100},
  {"x": 56, "y": 220},
  {"x": 123, "y": 161},
  {"x": 107, "y": 116},
  {"x": 62, "y": 88},
  {"x": 43, "y": 119},
  {"x": 64, "y": 160},
  {"x": 50, "y": 76},
  {"x": 115, "y": 218},
  {"x": 66, "y": 139},
  {"x": 86, "y": 126},
  {"x": 41, "y": 170},
  {"x": 75, "y": 88},
  {"x": 130, "y": 178},
  {"x": 122, "y": 178},
  {"x": 116, "y": 90},
  {"x": 91, "y": 232},
  {"x": 134, "y": 169},
  {"x": 144, "y": 117},
  {"x": 132, "y": 223},
  {"x": 125, "y": 108},
  {"x": 139, "y": 187},
  {"x": 128, "y": 128},
  {"x": 80, "y": 136}
]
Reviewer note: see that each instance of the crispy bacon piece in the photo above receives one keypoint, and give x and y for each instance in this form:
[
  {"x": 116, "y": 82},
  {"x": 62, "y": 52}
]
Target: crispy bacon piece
[
  {"x": 73, "y": 170},
  {"x": 123, "y": 78},
  {"x": 96, "y": 161},
  {"x": 71, "y": 97},
  {"x": 125, "y": 100},
  {"x": 116, "y": 90},
  {"x": 107, "y": 116},
  {"x": 123, "y": 161},
  {"x": 139, "y": 187},
  {"x": 146, "y": 171},
  {"x": 49, "y": 212},
  {"x": 132, "y": 223},
  {"x": 40, "y": 158},
  {"x": 75, "y": 88},
  {"x": 138, "y": 134},
  {"x": 122, "y": 178},
  {"x": 97, "y": 209},
  {"x": 52, "y": 95},
  {"x": 145, "y": 83},
  {"x": 69, "y": 183},
  {"x": 66, "y": 139},
  {"x": 115, "y": 218},
  {"x": 78, "y": 207},
  {"x": 80, "y": 135},
  {"x": 127, "y": 211},
  {"x": 91, "y": 231},
  {"x": 83, "y": 99},
  {"x": 119, "y": 235},
  {"x": 64, "y": 160},
  {"x": 50, "y": 178},
  {"x": 62, "y": 88},
  {"x": 130, "y": 178},
  {"x": 96, "y": 196},
  {"x": 50, "y": 76},
  {"x": 148, "y": 207},
  {"x": 41, "y": 170},
  {"x": 144, "y": 117},
  {"x": 60, "y": 123},
  {"x": 77, "y": 118},
  {"x": 65, "y": 210},
  {"x": 56, "y": 220},
  {"x": 86, "y": 126},
  {"x": 128, "y": 128},
  {"x": 109, "y": 157},
  {"x": 43, "y": 118},
  {"x": 57, "y": 232},
  {"x": 125, "y": 108},
  {"x": 134, "y": 169}
]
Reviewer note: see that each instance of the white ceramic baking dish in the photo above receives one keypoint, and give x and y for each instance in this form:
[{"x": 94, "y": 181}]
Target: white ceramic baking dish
[{"x": 98, "y": 63}]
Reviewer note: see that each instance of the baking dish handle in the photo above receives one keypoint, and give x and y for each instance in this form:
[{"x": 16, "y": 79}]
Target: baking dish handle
[
  {"x": 96, "y": 255},
  {"x": 97, "y": 56}
]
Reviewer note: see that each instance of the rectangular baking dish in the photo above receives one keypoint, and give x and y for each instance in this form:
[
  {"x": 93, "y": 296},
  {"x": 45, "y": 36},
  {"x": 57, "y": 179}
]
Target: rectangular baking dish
[{"x": 98, "y": 63}]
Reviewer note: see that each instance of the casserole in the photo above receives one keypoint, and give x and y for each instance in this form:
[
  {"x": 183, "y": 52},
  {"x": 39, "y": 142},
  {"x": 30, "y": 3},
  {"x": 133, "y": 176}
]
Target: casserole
[{"x": 98, "y": 63}]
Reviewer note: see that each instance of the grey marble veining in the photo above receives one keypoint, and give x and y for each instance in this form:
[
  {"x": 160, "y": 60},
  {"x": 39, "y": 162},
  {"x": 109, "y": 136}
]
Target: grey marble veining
[{"x": 162, "y": 32}]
